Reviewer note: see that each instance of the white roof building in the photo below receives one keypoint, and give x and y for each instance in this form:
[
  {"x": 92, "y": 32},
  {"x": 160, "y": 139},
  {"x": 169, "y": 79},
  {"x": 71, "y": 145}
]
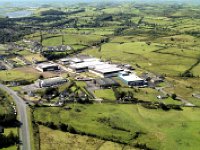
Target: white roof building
[
  {"x": 52, "y": 82},
  {"x": 131, "y": 79}
]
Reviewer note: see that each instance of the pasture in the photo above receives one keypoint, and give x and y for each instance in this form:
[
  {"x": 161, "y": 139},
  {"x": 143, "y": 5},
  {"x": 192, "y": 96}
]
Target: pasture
[
  {"x": 159, "y": 129},
  {"x": 17, "y": 75},
  {"x": 55, "y": 139},
  {"x": 147, "y": 57}
]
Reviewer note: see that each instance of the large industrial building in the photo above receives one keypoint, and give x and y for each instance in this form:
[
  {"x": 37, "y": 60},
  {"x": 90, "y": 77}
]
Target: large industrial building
[
  {"x": 131, "y": 79},
  {"x": 106, "y": 70},
  {"x": 84, "y": 66},
  {"x": 94, "y": 65},
  {"x": 47, "y": 67},
  {"x": 52, "y": 82}
]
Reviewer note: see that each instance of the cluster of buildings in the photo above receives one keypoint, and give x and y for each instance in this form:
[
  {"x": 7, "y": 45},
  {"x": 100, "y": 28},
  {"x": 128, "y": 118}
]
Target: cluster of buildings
[
  {"x": 93, "y": 65},
  {"x": 37, "y": 47},
  {"x": 105, "y": 70}
]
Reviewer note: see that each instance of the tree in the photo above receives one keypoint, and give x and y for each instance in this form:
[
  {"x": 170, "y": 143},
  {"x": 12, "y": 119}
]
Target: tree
[{"x": 174, "y": 96}]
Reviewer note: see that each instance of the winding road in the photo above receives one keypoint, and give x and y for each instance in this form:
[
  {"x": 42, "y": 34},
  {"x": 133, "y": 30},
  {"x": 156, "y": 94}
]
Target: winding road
[{"x": 23, "y": 118}]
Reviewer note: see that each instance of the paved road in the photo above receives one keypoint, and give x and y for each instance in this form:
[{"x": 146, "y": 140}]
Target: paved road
[{"x": 23, "y": 118}]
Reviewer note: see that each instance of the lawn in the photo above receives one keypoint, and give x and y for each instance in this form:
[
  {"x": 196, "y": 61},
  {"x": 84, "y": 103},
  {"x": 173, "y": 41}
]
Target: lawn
[{"x": 161, "y": 129}]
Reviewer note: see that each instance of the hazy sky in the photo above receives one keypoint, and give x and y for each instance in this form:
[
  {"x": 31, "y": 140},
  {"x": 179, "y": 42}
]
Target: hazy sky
[{"x": 41, "y": 2}]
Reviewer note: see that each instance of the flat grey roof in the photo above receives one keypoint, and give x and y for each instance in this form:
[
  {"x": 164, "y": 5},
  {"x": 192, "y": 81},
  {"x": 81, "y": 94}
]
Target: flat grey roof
[{"x": 46, "y": 65}]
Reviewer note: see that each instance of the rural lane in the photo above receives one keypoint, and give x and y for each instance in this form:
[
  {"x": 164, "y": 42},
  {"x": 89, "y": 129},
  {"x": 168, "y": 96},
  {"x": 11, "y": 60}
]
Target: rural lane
[{"x": 23, "y": 118}]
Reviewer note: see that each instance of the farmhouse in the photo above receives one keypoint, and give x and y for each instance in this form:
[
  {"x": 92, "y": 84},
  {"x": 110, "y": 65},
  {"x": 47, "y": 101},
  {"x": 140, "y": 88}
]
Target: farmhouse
[
  {"x": 52, "y": 82},
  {"x": 47, "y": 67},
  {"x": 106, "y": 83},
  {"x": 131, "y": 79}
]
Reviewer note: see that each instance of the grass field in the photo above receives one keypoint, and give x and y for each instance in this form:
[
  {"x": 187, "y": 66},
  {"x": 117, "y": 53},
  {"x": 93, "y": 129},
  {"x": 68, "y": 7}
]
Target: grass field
[
  {"x": 16, "y": 75},
  {"x": 35, "y": 57},
  {"x": 185, "y": 88},
  {"x": 162, "y": 130},
  {"x": 106, "y": 94},
  {"x": 55, "y": 139},
  {"x": 10, "y": 148},
  {"x": 71, "y": 39},
  {"x": 142, "y": 54},
  {"x": 5, "y": 101}
]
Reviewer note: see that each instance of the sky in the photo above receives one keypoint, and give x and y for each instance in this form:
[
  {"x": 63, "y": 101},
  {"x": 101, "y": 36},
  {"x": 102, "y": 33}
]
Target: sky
[{"x": 36, "y": 3}]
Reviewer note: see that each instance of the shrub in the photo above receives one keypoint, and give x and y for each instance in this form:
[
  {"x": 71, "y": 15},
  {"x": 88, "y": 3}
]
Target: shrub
[{"x": 71, "y": 129}]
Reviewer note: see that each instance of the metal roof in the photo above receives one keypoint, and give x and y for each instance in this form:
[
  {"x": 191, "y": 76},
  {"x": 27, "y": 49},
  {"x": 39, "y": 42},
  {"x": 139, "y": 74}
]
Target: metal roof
[
  {"x": 130, "y": 77},
  {"x": 53, "y": 80},
  {"x": 46, "y": 65}
]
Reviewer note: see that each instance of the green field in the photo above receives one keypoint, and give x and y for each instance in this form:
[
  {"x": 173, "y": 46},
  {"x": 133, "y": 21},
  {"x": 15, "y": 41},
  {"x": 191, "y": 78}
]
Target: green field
[
  {"x": 55, "y": 139},
  {"x": 16, "y": 75},
  {"x": 106, "y": 94},
  {"x": 5, "y": 101},
  {"x": 71, "y": 39},
  {"x": 142, "y": 54},
  {"x": 161, "y": 130}
]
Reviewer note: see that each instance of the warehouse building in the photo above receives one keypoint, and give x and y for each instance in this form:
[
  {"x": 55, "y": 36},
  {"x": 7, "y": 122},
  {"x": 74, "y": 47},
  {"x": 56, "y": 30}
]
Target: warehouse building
[
  {"x": 85, "y": 66},
  {"x": 51, "y": 82},
  {"x": 106, "y": 70},
  {"x": 131, "y": 79},
  {"x": 106, "y": 83},
  {"x": 47, "y": 67}
]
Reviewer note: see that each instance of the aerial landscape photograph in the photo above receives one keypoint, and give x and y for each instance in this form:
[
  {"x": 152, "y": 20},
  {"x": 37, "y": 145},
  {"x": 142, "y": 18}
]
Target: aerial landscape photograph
[{"x": 99, "y": 74}]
